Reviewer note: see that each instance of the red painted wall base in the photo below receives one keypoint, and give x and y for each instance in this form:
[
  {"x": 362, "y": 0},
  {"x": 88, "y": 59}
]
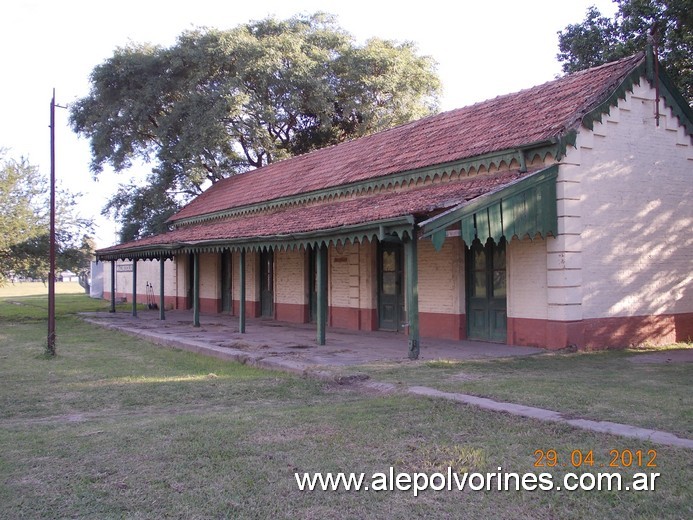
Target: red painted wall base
[
  {"x": 292, "y": 312},
  {"x": 591, "y": 334},
  {"x": 601, "y": 333},
  {"x": 252, "y": 308},
  {"x": 443, "y": 326}
]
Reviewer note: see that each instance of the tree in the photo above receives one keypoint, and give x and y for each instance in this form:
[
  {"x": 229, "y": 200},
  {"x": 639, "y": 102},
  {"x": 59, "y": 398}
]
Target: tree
[
  {"x": 219, "y": 103},
  {"x": 24, "y": 224},
  {"x": 598, "y": 39}
]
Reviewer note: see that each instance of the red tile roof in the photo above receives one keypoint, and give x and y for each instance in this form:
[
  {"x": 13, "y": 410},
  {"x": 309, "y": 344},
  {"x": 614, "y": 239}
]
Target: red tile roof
[
  {"x": 330, "y": 215},
  {"x": 503, "y": 123}
]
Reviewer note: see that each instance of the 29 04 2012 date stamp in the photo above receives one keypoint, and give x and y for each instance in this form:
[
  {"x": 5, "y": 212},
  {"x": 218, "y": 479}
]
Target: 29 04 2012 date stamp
[{"x": 626, "y": 458}]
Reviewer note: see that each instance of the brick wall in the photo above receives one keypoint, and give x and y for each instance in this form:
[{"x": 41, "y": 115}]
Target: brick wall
[
  {"x": 291, "y": 286},
  {"x": 147, "y": 272},
  {"x": 290, "y": 277},
  {"x": 252, "y": 282},
  {"x": 343, "y": 276},
  {"x": 527, "y": 278},
  {"x": 210, "y": 271},
  {"x": 633, "y": 211},
  {"x": 368, "y": 281},
  {"x": 441, "y": 277}
]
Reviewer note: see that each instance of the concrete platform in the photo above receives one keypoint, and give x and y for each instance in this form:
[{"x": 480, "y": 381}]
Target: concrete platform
[{"x": 269, "y": 342}]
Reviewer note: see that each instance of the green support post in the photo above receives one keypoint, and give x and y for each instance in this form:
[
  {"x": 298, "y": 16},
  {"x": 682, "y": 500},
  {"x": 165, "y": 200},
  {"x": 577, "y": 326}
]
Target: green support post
[
  {"x": 321, "y": 289},
  {"x": 113, "y": 287},
  {"x": 162, "y": 314},
  {"x": 412, "y": 280},
  {"x": 134, "y": 287},
  {"x": 196, "y": 290},
  {"x": 241, "y": 313}
]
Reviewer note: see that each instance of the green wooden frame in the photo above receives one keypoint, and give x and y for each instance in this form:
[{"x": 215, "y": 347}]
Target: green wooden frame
[{"x": 526, "y": 207}]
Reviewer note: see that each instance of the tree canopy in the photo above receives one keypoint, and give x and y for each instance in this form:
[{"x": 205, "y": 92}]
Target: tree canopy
[
  {"x": 599, "y": 39},
  {"x": 221, "y": 102},
  {"x": 25, "y": 221}
]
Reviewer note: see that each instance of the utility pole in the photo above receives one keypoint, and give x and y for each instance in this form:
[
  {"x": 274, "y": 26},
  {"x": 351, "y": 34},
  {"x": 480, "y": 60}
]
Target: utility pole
[{"x": 50, "y": 345}]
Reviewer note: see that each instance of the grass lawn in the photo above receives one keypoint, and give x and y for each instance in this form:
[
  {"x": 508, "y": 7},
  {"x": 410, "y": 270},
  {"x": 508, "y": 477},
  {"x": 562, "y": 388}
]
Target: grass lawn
[
  {"x": 39, "y": 288},
  {"x": 114, "y": 427},
  {"x": 605, "y": 385}
]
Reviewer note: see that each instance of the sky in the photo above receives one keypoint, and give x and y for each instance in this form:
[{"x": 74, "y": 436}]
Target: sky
[{"x": 483, "y": 49}]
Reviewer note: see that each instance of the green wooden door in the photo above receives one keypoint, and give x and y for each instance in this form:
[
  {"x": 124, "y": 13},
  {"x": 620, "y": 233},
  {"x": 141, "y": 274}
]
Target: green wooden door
[
  {"x": 267, "y": 283},
  {"x": 390, "y": 296},
  {"x": 486, "y": 292}
]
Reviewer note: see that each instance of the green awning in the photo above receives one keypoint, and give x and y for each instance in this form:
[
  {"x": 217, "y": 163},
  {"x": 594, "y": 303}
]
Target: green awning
[{"x": 524, "y": 207}]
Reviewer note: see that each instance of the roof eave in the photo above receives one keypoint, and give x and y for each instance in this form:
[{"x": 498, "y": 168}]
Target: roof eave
[{"x": 400, "y": 226}]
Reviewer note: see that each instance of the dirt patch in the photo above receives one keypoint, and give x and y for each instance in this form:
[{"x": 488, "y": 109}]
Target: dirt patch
[
  {"x": 351, "y": 379},
  {"x": 465, "y": 376},
  {"x": 684, "y": 355}
]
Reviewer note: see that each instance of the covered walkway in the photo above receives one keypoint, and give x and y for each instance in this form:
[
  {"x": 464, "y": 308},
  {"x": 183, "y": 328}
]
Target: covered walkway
[{"x": 289, "y": 346}]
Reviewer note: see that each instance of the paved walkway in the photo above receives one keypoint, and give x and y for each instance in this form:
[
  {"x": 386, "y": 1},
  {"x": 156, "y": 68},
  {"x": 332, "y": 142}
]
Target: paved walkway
[
  {"x": 274, "y": 344},
  {"x": 291, "y": 347}
]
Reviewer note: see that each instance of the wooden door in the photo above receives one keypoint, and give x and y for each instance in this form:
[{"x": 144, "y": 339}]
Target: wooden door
[
  {"x": 390, "y": 294},
  {"x": 486, "y": 292}
]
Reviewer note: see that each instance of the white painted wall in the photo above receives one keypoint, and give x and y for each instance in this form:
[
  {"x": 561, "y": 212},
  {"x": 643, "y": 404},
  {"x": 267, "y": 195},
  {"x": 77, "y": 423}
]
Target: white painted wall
[
  {"x": 441, "y": 277},
  {"x": 147, "y": 272},
  {"x": 527, "y": 278},
  {"x": 290, "y": 276},
  {"x": 625, "y": 201}
]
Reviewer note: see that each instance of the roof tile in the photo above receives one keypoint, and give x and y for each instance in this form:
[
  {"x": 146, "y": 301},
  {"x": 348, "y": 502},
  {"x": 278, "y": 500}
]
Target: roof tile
[
  {"x": 332, "y": 215},
  {"x": 502, "y": 123}
]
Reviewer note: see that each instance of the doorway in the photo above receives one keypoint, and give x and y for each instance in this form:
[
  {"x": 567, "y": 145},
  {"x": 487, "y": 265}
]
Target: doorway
[
  {"x": 487, "y": 291},
  {"x": 390, "y": 294}
]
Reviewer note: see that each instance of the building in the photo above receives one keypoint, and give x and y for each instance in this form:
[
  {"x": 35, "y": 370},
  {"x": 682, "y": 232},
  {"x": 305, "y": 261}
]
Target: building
[{"x": 556, "y": 216}]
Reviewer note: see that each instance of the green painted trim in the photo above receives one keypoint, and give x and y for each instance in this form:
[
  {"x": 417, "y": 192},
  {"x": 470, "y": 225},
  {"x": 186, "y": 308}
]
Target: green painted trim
[
  {"x": 321, "y": 289},
  {"x": 134, "y": 288},
  {"x": 675, "y": 101},
  {"x": 196, "y": 290},
  {"x": 113, "y": 287},
  {"x": 142, "y": 253},
  {"x": 438, "y": 238},
  {"x": 649, "y": 61},
  {"x": 567, "y": 139},
  {"x": 411, "y": 266},
  {"x": 162, "y": 312},
  {"x": 398, "y": 226},
  {"x": 633, "y": 78},
  {"x": 506, "y": 212},
  {"x": 241, "y": 275},
  {"x": 667, "y": 90}
]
